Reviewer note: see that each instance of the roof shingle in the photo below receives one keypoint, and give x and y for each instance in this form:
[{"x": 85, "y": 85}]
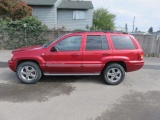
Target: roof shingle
[
  {"x": 40, "y": 2},
  {"x": 76, "y": 5}
]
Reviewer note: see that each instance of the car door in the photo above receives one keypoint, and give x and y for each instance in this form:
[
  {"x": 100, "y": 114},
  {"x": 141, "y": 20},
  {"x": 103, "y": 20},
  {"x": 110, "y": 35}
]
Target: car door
[
  {"x": 65, "y": 56},
  {"x": 95, "y": 53}
]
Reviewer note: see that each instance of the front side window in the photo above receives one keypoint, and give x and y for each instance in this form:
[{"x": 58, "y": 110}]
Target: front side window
[
  {"x": 69, "y": 44},
  {"x": 79, "y": 15},
  {"x": 96, "y": 42},
  {"x": 122, "y": 42}
]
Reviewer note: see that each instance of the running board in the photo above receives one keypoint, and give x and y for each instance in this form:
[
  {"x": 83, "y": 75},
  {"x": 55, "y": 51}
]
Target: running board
[{"x": 73, "y": 74}]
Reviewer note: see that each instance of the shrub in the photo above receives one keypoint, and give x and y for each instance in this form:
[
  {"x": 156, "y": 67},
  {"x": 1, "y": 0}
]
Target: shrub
[{"x": 24, "y": 32}]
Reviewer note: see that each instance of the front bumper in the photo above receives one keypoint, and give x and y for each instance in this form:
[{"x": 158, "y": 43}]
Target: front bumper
[{"x": 12, "y": 65}]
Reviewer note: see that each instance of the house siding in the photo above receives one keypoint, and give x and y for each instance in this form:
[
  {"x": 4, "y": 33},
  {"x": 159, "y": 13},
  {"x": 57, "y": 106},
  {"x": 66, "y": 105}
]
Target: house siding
[
  {"x": 65, "y": 19},
  {"x": 56, "y": 14},
  {"x": 46, "y": 14},
  {"x": 58, "y": 2}
]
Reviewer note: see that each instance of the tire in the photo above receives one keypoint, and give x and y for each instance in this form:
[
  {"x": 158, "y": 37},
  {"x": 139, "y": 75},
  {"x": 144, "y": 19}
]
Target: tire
[
  {"x": 28, "y": 72},
  {"x": 113, "y": 74}
]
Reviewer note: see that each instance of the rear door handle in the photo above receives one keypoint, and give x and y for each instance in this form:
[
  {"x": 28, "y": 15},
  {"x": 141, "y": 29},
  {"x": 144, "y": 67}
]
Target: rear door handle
[{"x": 106, "y": 54}]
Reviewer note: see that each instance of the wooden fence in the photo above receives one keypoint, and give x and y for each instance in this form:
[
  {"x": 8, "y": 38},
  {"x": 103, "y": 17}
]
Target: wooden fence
[{"x": 150, "y": 44}]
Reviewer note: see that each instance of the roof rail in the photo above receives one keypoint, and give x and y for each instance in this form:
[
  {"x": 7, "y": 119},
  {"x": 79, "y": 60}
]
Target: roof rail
[{"x": 119, "y": 32}]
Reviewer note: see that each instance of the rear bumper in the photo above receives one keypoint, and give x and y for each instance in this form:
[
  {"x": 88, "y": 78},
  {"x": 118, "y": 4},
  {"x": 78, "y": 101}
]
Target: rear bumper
[
  {"x": 134, "y": 65},
  {"x": 12, "y": 65}
]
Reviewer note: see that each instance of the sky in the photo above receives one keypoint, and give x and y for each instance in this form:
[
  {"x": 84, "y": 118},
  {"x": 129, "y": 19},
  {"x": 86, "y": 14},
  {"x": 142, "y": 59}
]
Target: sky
[{"x": 146, "y": 12}]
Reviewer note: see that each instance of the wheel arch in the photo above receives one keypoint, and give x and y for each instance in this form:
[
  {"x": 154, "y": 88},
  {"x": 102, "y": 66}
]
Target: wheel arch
[
  {"x": 27, "y": 60},
  {"x": 112, "y": 62}
]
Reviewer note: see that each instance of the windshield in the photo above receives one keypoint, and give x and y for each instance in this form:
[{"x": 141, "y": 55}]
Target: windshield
[{"x": 49, "y": 43}]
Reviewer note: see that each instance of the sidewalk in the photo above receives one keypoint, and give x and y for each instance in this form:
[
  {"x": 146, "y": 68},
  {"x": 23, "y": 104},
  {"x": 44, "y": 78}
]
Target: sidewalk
[
  {"x": 152, "y": 61},
  {"x": 5, "y": 55}
]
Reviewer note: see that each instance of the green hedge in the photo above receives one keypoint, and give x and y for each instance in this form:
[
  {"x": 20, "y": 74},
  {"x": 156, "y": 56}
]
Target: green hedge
[{"x": 24, "y": 32}]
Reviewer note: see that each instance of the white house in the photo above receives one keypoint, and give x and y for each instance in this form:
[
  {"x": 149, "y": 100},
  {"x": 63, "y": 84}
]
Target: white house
[{"x": 63, "y": 13}]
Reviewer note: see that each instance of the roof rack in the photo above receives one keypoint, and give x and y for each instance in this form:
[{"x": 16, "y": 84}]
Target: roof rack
[{"x": 118, "y": 32}]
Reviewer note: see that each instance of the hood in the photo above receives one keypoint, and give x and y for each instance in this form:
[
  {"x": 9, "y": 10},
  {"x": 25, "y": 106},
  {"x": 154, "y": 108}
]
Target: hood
[{"x": 27, "y": 48}]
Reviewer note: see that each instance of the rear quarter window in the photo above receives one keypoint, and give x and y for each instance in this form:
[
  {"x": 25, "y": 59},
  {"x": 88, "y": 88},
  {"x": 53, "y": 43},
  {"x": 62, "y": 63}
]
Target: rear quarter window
[{"x": 122, "y": 42}]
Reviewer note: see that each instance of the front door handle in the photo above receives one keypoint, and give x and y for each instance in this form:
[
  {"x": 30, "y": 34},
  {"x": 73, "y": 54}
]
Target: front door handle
[{"x": 76, "y": 54}]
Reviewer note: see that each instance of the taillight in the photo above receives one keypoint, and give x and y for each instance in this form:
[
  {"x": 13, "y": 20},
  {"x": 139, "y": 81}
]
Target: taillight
[{"x": 140, "y": 56}]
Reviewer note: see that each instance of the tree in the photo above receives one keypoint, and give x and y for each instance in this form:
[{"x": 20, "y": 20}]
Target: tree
[
  {"x": 103, "y": 20},
  {"x": 14, "y": 9},
  {"x": 150, "y": 30}
]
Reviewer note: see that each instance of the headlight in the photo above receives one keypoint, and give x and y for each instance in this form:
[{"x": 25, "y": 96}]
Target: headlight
[{"x": 11, "y": 56}]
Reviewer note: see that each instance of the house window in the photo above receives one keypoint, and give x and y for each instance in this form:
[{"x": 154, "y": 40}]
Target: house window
[{"x": 79, "y": 15}]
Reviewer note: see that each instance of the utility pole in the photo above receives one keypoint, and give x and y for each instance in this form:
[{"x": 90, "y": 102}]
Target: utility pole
[
  {"x": 126, "y": 28},
  {"x": 133, "y": 23}
]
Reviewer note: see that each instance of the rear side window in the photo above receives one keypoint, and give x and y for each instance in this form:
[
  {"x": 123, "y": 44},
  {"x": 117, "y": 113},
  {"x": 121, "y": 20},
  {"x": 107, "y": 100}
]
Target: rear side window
[
  {"x": 96, "y": 42},
  {"x": 122, "y": 42}
]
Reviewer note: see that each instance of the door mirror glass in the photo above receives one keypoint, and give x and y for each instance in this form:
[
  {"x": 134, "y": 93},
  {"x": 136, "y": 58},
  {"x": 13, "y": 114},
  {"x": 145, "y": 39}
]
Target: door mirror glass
[{"x": 53, "y": 49}]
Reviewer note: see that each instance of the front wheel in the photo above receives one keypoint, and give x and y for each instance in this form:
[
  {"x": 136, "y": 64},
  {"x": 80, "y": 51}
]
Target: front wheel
[
  {"x": 114, "y": 74},
  {"x": 28, "y": 72}
]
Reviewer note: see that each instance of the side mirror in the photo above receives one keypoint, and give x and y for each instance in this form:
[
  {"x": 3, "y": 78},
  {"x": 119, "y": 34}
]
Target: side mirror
[{"x": 53, "y": 49}]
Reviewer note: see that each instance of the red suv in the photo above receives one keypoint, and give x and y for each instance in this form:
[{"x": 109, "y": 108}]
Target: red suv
[{"x": 81, "y": 53}]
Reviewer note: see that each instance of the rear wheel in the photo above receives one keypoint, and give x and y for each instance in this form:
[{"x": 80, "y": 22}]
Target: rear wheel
[
  {"x": 114, "y": 74},
  {"x": 28, "y": 72}
]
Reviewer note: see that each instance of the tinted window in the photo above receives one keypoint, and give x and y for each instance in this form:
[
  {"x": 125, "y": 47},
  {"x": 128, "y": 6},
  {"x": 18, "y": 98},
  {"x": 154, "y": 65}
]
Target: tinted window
[
  {"x": 70, "y": 43},
  {"x": 96, "y": 43},
  {"x": 122, "y": 42}
]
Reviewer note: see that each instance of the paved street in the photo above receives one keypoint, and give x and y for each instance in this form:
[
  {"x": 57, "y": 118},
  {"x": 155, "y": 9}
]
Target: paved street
[{"x": 81, "y": 98}]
